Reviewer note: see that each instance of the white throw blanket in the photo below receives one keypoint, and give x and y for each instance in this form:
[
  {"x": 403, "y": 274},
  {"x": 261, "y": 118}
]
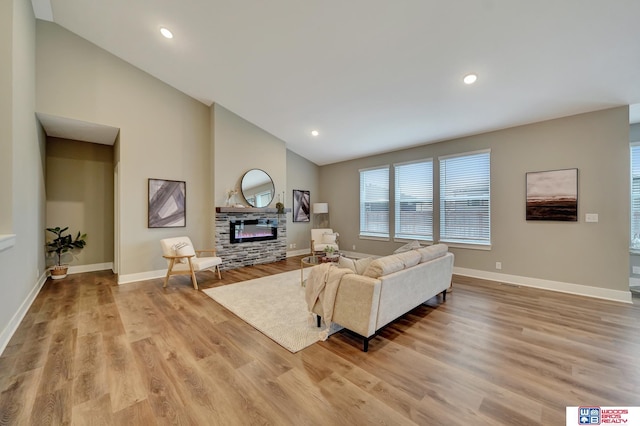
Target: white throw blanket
[{"x": 322, "y": 284}]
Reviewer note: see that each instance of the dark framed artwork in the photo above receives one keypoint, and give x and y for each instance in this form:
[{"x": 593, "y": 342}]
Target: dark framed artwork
[
  {"x": 301, "y": 205},
  {"x": 553, "y": 195},
  {"x": 167, "y": 203}
]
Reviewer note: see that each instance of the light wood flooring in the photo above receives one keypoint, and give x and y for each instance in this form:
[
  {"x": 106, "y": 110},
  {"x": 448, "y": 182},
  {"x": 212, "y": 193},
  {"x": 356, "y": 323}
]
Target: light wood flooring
[{"x": 92, "y": 352}]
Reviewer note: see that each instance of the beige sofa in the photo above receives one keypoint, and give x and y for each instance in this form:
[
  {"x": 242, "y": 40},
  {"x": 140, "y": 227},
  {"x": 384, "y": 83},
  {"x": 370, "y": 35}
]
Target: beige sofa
[{"x": 388, "y": 288}]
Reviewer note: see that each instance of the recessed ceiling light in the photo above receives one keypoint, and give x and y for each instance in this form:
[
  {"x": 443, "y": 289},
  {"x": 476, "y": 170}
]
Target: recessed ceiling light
[
  {"x": 470, "y": 78},
  {"x": 314, "y": 133},
  {"x": 165, "y": 32}
]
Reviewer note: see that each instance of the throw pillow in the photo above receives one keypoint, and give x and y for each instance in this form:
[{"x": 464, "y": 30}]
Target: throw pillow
[
  {"x": 356, "y": 265},
  {"x": 183, "y": 249},
  {"x": 413, "y": 245},
  {"x": 362, "y": 265},
  {"x": 344, "y": 262},
  {"x": 329, "y": 238}
]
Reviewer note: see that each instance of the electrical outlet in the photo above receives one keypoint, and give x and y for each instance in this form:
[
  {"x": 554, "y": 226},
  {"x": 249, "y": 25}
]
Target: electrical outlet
[
  {"x": 498, "y": 265},
  {"x": 636, "y": 270},
  {"x": 294, "y": 245},
  {"x": 354, "y": 247}
]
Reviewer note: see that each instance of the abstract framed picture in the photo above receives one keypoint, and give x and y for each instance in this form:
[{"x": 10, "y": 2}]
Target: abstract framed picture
[
  {"x": 552, "y": 195},
  {"x": 301, "y": 205},
  {"x": 167, "y": 203}
]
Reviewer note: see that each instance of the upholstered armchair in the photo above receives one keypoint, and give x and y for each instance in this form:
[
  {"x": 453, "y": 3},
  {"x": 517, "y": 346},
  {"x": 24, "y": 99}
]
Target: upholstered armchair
[
  {"x": 321, "y": 238},
  {"x": 183, "y": 259}
]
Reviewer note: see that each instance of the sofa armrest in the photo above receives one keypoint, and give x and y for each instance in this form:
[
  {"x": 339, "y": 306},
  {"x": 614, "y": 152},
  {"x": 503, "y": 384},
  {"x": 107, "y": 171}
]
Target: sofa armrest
[{"x": 356, "y": 305}]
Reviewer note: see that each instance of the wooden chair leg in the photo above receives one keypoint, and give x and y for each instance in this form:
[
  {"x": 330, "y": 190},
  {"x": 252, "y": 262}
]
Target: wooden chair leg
[
  {"x": 166, "y": 278},
  {"x": 193, "y": 274},
  {"x": 218, "y": 269}
]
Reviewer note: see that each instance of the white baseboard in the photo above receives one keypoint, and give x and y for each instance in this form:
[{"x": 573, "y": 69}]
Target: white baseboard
[
  {"x": 293, "y": 253},
  {"x": 579, "y": 289},
  {"x": 141, "y": 276},
  {"x": 11, "y": 328}
]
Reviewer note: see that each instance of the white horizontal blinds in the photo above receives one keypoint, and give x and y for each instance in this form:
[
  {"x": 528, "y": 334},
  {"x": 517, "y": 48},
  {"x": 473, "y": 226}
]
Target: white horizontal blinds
[
  {"x": 465, "y": 198},
  {"x": 374, "y": 202},
  {"x": 635, "y": 195},
  {"x": 414, "y": 200}
]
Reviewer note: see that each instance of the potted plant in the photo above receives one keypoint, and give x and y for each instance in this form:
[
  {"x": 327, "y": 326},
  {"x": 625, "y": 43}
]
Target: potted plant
[{"x": 62, "y": 244}]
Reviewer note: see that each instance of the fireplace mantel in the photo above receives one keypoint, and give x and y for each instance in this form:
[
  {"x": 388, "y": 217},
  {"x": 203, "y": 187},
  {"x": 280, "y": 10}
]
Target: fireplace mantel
[{"x": 248, "y": 210}]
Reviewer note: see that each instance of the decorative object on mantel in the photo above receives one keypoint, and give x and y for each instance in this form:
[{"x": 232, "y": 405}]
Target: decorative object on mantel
[
  {"x": 280, "y": 204},
  {"x": 231, "y": 197},
  {"x": 60, "y": 245},
  {"x": 167, "y": 203},
  {"x": 301, "y": 205},
  {"x": 552, "y": 195}
]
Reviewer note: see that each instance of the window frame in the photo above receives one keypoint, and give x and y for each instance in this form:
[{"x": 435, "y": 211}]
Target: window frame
[
  {"x": 479, "y": 242},
  {"x": 368, "y": 233},
  {"x": 398, "y": 201}
]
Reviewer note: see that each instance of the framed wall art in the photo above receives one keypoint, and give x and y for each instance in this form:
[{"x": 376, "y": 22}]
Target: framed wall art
[
  {"x": 301, "y": 205},
  {"x": 552, "y": 195},
  {"x": 167, "y": 203}
]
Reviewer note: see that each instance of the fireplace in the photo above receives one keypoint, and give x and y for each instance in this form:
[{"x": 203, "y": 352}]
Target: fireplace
[{"x": 248, "y": 230}]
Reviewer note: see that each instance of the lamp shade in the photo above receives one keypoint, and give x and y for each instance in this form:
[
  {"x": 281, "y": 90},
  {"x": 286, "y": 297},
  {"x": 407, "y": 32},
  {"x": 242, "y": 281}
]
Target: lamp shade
[{"x": 321, "y": 207}]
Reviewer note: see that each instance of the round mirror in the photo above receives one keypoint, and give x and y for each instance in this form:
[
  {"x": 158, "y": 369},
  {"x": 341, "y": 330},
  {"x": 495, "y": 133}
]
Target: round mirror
[{"x": 257, "y": 188}]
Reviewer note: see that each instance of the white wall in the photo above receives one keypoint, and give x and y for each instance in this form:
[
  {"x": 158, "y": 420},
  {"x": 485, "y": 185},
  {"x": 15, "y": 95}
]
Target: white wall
[
  {"x": 22, "y": 265},
  {"x": 164, "y": 134}
]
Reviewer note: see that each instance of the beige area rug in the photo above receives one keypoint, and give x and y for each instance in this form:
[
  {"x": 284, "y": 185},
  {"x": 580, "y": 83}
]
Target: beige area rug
[{"x": 275, "y": 306}]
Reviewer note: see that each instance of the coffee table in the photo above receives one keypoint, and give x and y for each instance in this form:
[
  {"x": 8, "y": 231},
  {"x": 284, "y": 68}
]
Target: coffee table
[{"x": 315, "y": 260}]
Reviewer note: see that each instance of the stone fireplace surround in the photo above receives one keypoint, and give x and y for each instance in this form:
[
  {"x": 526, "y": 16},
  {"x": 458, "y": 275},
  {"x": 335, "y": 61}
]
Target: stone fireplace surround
[{"x": 253, "y": 253}]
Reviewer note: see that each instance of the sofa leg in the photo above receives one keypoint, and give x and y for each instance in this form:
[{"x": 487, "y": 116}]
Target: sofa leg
[
  {"x": 444, "y": 296},
  {"x": 319, "y": 320},
  {"x": 365, "y": 346}
]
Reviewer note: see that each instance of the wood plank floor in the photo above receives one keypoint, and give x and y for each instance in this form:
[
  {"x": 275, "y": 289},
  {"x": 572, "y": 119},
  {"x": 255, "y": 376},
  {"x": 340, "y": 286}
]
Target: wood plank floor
[{"x": 92, "y": 352}]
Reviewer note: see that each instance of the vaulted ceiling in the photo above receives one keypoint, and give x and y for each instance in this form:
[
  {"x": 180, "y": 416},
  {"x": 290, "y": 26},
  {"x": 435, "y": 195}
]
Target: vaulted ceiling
[{"x": 374, "y": 76}]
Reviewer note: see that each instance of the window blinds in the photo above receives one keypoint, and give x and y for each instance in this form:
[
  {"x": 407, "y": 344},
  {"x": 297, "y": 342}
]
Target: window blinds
[
  {"x": 414, "y": 200},
  {"x": 465, "y": 198}
]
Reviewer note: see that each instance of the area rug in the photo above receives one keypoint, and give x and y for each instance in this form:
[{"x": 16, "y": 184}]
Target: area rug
[{"x": 275, "y": 306}]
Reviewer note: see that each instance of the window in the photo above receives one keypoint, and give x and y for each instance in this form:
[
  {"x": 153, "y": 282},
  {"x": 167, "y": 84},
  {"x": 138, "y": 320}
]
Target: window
[
  {"x": 374, "y": 202},
  {"x": 414, "y": 200},
  {"x": 635, "y": 195},
  {"x": 465, "y": 188}
]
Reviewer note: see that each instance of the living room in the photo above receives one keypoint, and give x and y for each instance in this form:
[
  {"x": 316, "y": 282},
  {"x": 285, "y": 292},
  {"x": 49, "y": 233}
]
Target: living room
[{"x": 164, "y": 133}]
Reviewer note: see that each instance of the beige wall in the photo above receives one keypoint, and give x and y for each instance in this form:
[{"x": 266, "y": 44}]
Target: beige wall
[
  {"x": 590, "y": 254},
  {"x": 6, "y": 115},
  {"x": 79, "y": 182},
  {"x": 164, "y": 134},
  {"x": 22, "y": 145},
  {"x": 301, "y": 174},
  {"x": 240, "y": 146}
]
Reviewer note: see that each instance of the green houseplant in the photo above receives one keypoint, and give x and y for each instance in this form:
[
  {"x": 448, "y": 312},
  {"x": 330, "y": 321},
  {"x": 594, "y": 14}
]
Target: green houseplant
[{"x": 62, "y": 244}]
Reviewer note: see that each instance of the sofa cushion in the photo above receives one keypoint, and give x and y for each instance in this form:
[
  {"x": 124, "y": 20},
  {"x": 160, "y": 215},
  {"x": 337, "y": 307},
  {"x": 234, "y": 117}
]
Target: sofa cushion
[
  {"x": 384, "y": 266},
  {"x": 356, "y": 265},
  {"x": 410, "y": 258},
  {"x": 433, "y": 252},
  {"x": 413, "y": 245}
]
